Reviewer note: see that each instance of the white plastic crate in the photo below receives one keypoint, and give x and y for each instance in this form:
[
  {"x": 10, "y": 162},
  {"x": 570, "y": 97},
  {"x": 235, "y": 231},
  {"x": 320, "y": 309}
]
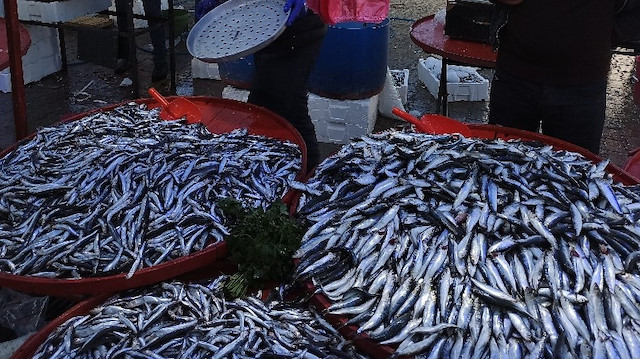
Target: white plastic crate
[
  {"x": 337, "y": 121},
  {"x": 204, "y": 70},
  {"x": 57, "y": 11},
  {"x": 471, "y": 87}
]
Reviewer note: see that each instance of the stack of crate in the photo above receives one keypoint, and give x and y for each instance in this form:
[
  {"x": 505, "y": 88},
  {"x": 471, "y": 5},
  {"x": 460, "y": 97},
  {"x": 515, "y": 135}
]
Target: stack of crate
[
  {"x": 56, "y": 11},
  {"x": 43, "y": 57}
]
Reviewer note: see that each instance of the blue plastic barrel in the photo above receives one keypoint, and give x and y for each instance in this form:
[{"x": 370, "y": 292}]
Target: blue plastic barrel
[
  {"x": 238, "y": 73},
  {"x": 352, "y": 63}
]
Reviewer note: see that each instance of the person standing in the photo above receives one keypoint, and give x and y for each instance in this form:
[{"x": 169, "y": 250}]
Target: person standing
[
  {"x": 282, "y": 69},
  {"x": 553, "y": 63},
  {"x": 152, "y": 10}
]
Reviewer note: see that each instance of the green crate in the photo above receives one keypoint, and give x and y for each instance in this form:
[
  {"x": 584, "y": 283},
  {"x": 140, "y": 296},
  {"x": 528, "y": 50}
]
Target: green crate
[{"x": 181, "y": 20}]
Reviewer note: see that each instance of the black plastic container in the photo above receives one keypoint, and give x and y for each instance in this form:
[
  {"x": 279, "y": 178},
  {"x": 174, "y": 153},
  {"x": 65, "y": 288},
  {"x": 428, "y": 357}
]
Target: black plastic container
[{"x": 468, "y": 20}]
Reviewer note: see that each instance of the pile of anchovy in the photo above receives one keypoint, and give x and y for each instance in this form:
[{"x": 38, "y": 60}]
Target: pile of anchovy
[
  {"x": 122, "y": 190},
  {"x": 447, "y": 247},
  {"x": 193, "y": 320}
]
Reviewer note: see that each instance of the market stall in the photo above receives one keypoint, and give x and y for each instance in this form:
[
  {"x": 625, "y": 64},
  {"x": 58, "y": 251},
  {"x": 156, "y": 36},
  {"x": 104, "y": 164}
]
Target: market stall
[{"x": 400, "y": 244}]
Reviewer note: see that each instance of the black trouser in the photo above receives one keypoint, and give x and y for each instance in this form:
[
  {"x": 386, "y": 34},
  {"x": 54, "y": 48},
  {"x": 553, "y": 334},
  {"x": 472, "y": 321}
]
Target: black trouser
[
  {"x": 157, "y": 32},
  {"x": 571, "y": 113},
  {"x": 281, "y": 72}
]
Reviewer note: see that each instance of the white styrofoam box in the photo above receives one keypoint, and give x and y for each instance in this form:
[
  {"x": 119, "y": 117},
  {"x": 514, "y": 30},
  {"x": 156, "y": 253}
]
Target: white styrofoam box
[
  {"x": 5, "y": 82},
  {"x": 464, "y": 83},
  {"x": 32, "y": 72},
  {"x": 44, "y": 47},
  {"x": 42, "y": 59},
  {"x": 337, "y": 121},
  {"x": 56, "y": 11},
  {"x": 401, "y": 82},
  {"x": 234, "y": 93},
  {"x": 204, "y": 70}
]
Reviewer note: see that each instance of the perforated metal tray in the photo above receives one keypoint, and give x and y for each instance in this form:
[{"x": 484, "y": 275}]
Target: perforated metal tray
[{"x": 236, "y": 28}]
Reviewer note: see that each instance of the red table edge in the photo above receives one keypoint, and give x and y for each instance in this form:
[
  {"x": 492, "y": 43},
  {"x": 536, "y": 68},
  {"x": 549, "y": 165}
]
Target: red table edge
[{"x": 481, "y": 62}]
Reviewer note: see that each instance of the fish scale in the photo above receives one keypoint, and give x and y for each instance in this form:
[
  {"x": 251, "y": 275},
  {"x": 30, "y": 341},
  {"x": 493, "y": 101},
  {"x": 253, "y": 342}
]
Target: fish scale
[{"x": 543, "y": 223}]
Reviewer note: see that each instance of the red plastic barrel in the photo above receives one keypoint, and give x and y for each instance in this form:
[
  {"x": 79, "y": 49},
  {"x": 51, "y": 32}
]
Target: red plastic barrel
[{"x": 220, "y": 116}]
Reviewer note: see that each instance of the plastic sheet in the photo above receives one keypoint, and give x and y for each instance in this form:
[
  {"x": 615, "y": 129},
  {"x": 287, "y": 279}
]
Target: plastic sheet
[
  {"x": 335, "y": 11},
  {"x": 21, "y": 313}
]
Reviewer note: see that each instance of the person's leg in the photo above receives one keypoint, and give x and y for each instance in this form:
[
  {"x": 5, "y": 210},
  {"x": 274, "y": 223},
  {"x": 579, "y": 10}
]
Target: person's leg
[
  {"x": 158, "y": 38},
  {"x": 281, "y": 73},
  {"x": 123, "y": 42},
  {"x": 575, "y": 114},
  {"x": 514, "y": 102}
]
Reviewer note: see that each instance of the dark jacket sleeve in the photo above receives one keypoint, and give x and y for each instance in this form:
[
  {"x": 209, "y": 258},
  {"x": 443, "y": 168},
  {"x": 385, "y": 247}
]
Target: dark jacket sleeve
[{"x": 627, "y": 22}]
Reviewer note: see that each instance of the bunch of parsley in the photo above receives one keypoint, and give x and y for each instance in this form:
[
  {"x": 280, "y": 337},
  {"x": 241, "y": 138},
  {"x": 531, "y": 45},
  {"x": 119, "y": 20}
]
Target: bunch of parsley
[{"x": 261, "y": 243}]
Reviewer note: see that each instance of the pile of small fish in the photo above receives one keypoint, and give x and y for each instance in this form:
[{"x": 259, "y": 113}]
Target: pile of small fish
[
  {"x": 447, "y": 247},
  {"x": 193, "y": 320},
  {"x": 121, "y": 190}
]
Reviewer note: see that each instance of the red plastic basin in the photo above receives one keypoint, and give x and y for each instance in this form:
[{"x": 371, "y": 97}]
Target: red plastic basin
[
  {"x": 220, "y": 116},
  {"x": 369, "y": 346},
  {"x": 29, "y": 347},
  {"x": 633, "y": 164}
]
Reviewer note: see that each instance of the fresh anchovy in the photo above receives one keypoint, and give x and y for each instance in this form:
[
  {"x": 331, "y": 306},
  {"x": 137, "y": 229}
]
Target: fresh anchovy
[
  {"x": 122, "y": 190},
  {"x": 508, "y": 248},
  {"x": 193, "y": 320}
]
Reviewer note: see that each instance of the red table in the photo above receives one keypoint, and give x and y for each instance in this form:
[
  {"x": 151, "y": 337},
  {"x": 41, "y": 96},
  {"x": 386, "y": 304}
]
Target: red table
[
  {"x": 428, "y": 33},
  {"x": 25, "y": 42}
]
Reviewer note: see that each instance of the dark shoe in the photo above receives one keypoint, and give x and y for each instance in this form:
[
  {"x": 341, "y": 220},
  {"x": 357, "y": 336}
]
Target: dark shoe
[
  {"x": 121, "y": 66},
  {"x": 160, "y": 72}
]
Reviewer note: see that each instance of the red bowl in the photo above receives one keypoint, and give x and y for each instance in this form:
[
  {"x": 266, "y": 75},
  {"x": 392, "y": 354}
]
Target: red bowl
[
  {"x": 362, "y": 340},
  {"x": 220, "y": 116}
]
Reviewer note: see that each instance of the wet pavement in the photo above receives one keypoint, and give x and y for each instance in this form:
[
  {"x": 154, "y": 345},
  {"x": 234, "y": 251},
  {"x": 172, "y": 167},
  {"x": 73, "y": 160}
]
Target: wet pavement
[{"x": 86, "y": 86}]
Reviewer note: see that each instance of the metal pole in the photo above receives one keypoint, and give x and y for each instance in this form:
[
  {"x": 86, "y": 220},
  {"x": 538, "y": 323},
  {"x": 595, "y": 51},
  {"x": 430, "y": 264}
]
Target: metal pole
[
  {"x": 133, "y": 58},
  {"x": 15, "y": 63},
  {"x": 172, "y": 57}
]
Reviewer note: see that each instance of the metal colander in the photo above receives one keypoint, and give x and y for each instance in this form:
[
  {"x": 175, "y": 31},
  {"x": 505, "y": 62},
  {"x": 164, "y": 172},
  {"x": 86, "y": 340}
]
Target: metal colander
[{"x": 236, "y": 28}]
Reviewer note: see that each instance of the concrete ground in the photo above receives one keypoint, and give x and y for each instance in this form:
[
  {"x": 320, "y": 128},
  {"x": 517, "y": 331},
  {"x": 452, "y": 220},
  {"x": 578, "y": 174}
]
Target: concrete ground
[{"x": 86, "y": 86}]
